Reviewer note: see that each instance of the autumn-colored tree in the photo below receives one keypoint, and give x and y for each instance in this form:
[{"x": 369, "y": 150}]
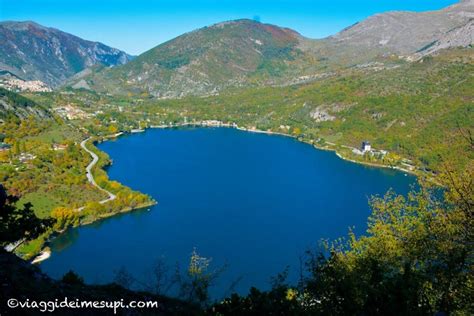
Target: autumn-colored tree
[
  {"x": 112, "y": 129},
  {"x": 296, "y": 131},
  {"x": 94, "y": 208},
  {"x": 65, "y": 217}
]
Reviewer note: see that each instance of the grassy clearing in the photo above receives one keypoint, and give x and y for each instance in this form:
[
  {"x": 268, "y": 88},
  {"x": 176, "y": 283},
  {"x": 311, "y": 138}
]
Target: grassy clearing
[{"x": 43, "y": 202}]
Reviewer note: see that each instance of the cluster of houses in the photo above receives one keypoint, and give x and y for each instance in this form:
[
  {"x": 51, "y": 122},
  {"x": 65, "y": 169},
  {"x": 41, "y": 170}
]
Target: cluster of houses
[
  {"x": 18, "y": 85},
  {"x": 57, "y": 147},
  {"x": 208, "y": 123},
  {"x": 25, "y": 157},
  {"x": 215, "y": 123},
  {"x": 71, "y": 113}
]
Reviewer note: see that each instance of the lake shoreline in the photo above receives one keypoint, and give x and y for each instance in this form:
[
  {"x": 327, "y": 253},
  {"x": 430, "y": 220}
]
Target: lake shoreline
[
  {"x": 275, "y": 185},
  {"x": 251, "y": 130},
  {"x": 43, "y": 254},
  {"x": 215, "y": 124}
]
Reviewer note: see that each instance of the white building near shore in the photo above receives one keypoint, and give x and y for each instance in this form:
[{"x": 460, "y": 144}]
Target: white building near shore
[{"x": 366, "y": 147}]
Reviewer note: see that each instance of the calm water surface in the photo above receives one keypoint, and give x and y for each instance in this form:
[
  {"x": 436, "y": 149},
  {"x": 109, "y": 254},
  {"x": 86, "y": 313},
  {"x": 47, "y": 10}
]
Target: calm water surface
[{"x": 252, "y": 201}]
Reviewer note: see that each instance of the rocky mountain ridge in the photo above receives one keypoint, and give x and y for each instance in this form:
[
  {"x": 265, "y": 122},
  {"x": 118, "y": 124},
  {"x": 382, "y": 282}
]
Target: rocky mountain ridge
[
  {"x": 404, "y": 32},
  {"x": 34, "y": 52}
]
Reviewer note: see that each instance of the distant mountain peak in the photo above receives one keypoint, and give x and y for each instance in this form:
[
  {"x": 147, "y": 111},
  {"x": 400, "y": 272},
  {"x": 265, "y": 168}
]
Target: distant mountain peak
[
  {"x": 36, "y": 52},
  {"x": 275, "y": 29},
  {"x": 405, "y": 32}
]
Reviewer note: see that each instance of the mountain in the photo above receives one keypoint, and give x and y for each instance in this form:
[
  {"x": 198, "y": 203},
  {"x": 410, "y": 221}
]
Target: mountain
[
  {"x": 407, "y": 33},
  {"x": 34, "y": 52},
  {"x": 205, "y": 61},
  {"x": 248, "y": 53}
]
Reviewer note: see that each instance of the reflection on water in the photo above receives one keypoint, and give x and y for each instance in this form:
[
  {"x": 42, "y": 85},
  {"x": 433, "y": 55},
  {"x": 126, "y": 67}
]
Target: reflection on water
[{"x": 65, "y": 240}]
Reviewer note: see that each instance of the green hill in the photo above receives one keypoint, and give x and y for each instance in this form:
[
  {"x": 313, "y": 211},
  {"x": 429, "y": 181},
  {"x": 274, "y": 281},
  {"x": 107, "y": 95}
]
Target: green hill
[{"x": 208, "y": 60}]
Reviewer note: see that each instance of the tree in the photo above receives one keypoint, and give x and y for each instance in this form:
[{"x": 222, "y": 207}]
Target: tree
[
  {"x": 19, "y": 223},
  {"x": 197, "y": 280},
  {"x": 65, "y": 217},
  {"x": 72, "y": 278},
  {"x": 159, "y": 281},
  {"x": 123, "y": 278},
  {"x": 112, "y": 129},
  {"x": 297, "y": 131},
  {"x": 416, "y": 258},
  {"x": 94, "y": 208}
]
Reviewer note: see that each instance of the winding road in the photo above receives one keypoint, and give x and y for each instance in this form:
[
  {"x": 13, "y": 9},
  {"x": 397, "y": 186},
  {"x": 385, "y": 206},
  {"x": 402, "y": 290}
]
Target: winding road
[
  {"x": 90, "y": 177},
  {"x": 44, "y": 255}
]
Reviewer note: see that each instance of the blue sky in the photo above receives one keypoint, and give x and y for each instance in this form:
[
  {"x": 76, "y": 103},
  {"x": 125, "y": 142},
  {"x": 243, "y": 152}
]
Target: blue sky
[{"x": 138, "y": 25}]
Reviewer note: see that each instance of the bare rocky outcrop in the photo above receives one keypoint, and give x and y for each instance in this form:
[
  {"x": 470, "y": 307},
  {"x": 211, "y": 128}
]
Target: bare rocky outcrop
[
  {"x": 327, "y": 112},
  {"x": 406, "y": 33},
  {"x": 462, "y": 36}
]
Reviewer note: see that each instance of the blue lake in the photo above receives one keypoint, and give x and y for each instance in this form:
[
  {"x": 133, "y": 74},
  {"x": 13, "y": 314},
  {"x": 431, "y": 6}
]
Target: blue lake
[{"x": 252, "y": 201}]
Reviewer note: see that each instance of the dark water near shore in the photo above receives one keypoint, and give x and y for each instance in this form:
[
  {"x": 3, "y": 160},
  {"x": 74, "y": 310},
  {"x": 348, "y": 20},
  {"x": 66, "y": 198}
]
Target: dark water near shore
[{"x": 253, "y": 201}]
